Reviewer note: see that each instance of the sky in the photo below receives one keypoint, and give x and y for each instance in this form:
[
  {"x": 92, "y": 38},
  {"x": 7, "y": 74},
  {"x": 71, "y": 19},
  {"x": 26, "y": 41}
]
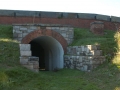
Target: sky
[{"x": 104, "y": 7}]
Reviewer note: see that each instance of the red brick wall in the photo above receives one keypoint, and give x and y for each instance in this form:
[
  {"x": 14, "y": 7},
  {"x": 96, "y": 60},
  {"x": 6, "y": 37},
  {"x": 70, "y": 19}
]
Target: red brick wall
[
  {"x": 38, "y": 33},
  {"x": 75, "y": 22}
]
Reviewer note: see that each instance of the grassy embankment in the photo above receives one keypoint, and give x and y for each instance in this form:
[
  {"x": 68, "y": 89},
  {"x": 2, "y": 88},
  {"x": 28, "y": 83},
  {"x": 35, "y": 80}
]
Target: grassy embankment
[{"x": 15, "y": 77}]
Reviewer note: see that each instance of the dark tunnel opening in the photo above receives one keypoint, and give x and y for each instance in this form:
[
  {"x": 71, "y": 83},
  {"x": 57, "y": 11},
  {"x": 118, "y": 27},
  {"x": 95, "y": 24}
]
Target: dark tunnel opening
[
  {"x": 38, "y": 51},
  {"x": 49, "y": 51}
]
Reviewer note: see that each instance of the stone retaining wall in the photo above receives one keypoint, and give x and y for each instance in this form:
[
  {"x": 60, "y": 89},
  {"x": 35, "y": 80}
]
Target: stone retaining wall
[
  {"x": 27, "y": 60},
  {"x": 21, "y": 30},
  {"x": 83, "y": 58}
]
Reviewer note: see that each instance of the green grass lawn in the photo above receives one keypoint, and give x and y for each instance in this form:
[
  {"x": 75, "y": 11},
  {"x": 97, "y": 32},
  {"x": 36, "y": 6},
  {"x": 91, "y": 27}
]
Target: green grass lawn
[{"x": 15, "y": 77}]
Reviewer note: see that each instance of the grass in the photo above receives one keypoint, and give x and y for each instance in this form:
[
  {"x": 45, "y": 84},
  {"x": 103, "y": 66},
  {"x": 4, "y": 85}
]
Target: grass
[
  {"x": 107, "y": 41},
  {"x": 85, "y": 37},
  {"x": 15, "y": 77}
]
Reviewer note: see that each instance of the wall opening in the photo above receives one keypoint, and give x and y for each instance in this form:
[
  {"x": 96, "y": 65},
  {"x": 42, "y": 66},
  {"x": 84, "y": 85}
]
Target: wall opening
[
  {"x": 49, "y": 51},
  {"x": 38, "y": 51}
]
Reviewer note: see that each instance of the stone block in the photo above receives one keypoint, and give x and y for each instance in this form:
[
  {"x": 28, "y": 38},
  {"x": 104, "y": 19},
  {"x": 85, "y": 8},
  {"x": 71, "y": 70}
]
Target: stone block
[
  {"x": 14, "y": 30},
  {"x": 24, "y": 47},
  {"x": 49, "y": 28},
  {"x": 79, "y": 49},
  {"x": 19, "y": 38},
  {"x": 82, "y": 48},
  {"x": 24, "y": 34},
  {"x": 86, "y": 16},
  {"x": 92, "y": 62},
  {"x": 94, "y": 47},
  {"x": 30, "y": 30},
  {"x": 23, "y": 28},
  {"x": 24, "y": 31},
  {"x": 50, "y": 14},
  {"x": 85, "y": 68},
  {"x": 27, "y": 13},
  {"x": 66, "y": 28},
  {"x": 16, "y": 27},
  {"x": 89, "y": 47},
  {"x": 115, "y": 19},
  {"x": 103, "y": 17},
  {"x": 61, "y": 28},
  {"x": 7, "y": 12},
  {"x": 91, "y": 53},
  {"x": 36, "y": 66},
  {"x": 32, "y": 58},
  {"x": 23, "y": 60},
  {"x": 33, "y": 27},
  {"x": 78, "y": 53},
  {"x": 36, "y": 70},
  {"x": 15, "y": 35},
  {"x": 53, "y": 28},
  {"x": 71, "y": 67},
  {"x": 64, "y": 35},
  {"x": 29, "y": 66},
  {"x": 79, "y": 68},
  {"x": 25, "y": 53},
  {"x": 87, "y": 62},
  {"x": 87, "y": 50},
  {"x": 98, "y": 52},
  {"x": 18, "y": 31},
  {"x": 80, "y": 59},
  {"x": 98, "y": 47},
  {"x": 69, "y": 15},
  {"x": 90, "y": 57},
  {"x": 98, "y": 62},
  {"x": 34, "y": 62},
  {"x": 19, "y": 35}
]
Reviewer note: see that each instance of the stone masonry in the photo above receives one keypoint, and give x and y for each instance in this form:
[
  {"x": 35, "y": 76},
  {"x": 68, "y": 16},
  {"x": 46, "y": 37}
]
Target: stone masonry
[
  {"x": 21, "y": 30},
  {"x": 28, "y": 61},
  {"x": 83, "y": 58}
]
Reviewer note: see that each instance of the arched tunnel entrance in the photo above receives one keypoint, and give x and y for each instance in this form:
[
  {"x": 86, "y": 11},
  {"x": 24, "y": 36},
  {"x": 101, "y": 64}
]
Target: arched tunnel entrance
[
  {"x": 49, "y": 51},
  {"x": 49, "y": 46}
]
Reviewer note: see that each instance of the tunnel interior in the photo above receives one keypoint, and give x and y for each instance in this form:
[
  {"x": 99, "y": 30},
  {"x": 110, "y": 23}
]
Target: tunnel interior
[{"x": 49, "y": 51}]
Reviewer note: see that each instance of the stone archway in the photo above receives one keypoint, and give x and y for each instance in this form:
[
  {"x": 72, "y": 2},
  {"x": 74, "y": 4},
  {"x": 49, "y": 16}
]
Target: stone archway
[
  {"x": 45, "y": 32},
  {"x": 49, "y": 46}
]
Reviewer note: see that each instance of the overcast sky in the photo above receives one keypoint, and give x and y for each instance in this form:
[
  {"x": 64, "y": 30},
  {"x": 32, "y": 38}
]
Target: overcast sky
[{"x": 105, "y": 7}]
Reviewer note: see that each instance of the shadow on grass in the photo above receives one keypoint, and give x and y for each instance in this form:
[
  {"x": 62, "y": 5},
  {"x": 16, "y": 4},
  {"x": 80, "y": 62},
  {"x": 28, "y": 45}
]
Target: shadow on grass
[{"x": 9, "y": 53}]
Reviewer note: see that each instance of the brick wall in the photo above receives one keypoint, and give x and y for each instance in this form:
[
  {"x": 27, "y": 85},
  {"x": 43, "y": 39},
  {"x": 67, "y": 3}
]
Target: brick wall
[
  {"x": 75, "y": 22},
  {"x": 81, "y": 20}
]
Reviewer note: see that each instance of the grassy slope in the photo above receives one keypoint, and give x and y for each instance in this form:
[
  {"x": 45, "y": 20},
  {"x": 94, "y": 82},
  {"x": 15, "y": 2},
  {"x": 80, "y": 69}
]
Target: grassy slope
[
  {"x": 106, "y": 41},
  {"x": 15, "y": 77}
]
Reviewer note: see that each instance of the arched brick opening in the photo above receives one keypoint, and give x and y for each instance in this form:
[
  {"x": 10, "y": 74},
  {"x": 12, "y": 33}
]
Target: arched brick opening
[
  {"x": 45, "y": 32},
  {"x": 49, "y": 46}
]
